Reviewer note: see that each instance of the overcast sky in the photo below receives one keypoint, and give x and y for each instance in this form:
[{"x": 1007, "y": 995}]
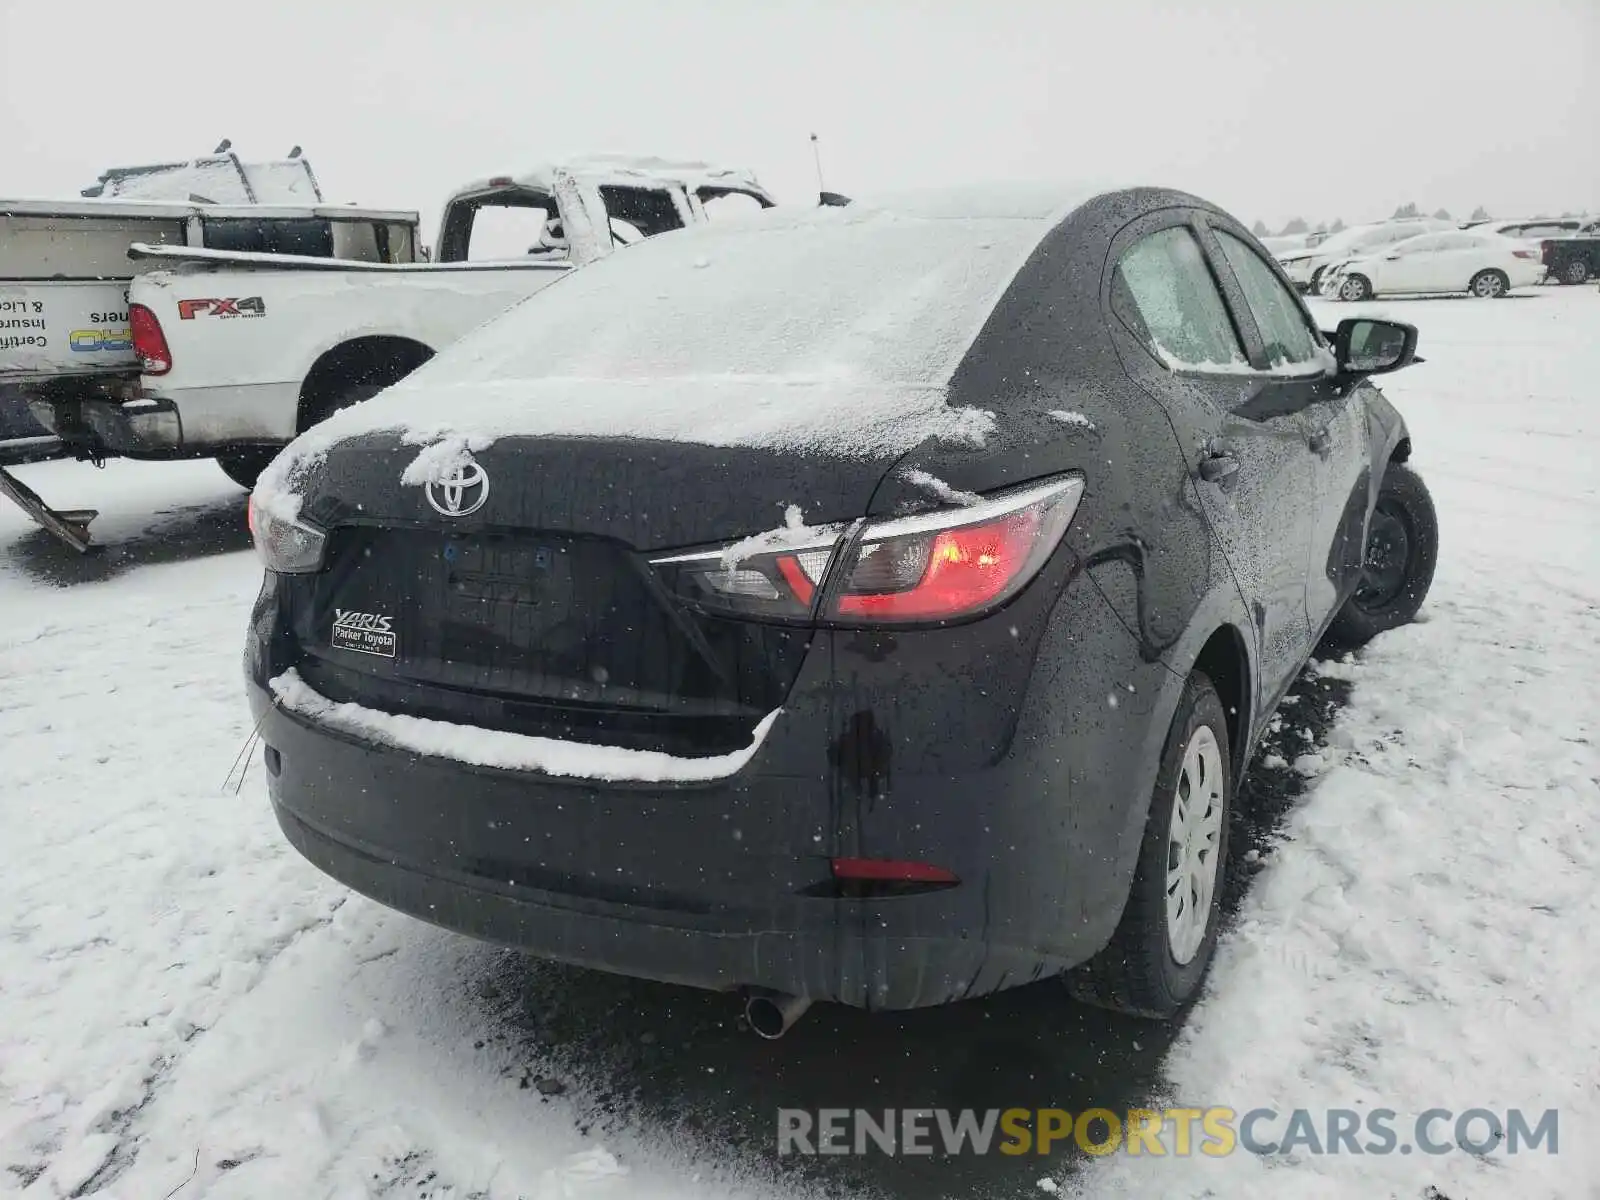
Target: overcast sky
[{"x": 1271, "y": 108}]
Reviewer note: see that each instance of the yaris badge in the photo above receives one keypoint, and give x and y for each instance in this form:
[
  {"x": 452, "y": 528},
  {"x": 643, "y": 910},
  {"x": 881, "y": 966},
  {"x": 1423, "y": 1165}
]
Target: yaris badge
[{"x": 463, "y": 493}]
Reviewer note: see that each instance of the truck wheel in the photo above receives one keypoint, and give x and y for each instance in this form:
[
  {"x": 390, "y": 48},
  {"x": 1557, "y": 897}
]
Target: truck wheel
[
  {"x": 245, "y": 466},
  {"x": 1576, "y": 271},
  {"x": 347, "y": 397},
  {"x": 1401, "y": 553},
  {"x": 1156, "y": 960}
]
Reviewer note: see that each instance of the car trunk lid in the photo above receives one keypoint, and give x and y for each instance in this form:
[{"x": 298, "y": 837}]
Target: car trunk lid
[{"x": 536, "y": 609}]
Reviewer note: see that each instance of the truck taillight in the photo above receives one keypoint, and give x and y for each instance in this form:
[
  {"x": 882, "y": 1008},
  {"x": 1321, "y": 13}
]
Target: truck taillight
[{"x": 149, "y": 343}]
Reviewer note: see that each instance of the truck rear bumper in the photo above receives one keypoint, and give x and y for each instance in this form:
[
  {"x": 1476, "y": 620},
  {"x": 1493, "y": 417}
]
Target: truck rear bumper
[
  {"x": 138, "y": 428},
  {"x": 131, "y": 422}
]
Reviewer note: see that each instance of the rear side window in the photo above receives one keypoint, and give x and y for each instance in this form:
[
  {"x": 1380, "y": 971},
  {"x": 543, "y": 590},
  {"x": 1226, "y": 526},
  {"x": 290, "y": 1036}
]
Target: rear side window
[
  {"x": 649, "y": 210},
  {"x": 1284, "y": 330},
  {"x": 1176, "y": 299},
  {"x": 502, "y": 231},
  {"x": 723, "y": 202}
]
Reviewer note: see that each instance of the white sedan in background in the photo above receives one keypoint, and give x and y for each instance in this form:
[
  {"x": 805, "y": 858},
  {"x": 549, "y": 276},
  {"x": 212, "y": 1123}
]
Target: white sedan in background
[
  {"x": 1485, "y": 265},
  {"x": 1305, "y": 267}
]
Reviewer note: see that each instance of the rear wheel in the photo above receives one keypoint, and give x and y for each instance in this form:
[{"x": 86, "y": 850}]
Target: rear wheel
[
  {"x": 1156, "y": 960},
  {"x": 351, "y": 394},
  {"x": 1401, "y": 552},
  {"x": 1576, "y": 271},
  {"x": 244, "y": 467},
  {"x": 1489, "y": 285},
  {"x": 1355, "y": 287}
]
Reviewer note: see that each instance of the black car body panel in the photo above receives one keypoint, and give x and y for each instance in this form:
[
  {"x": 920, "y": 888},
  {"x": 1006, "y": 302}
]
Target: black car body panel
[{"x": 1015, "y": 749}]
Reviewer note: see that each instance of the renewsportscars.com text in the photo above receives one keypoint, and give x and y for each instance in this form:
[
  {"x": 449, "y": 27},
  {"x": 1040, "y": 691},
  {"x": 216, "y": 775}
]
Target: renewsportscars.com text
[{"x": 1179, "y": 1132}]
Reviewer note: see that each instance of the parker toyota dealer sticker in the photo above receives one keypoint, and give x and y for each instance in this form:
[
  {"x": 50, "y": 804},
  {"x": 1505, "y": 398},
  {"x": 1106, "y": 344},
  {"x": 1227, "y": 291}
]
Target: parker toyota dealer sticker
[{"x": 363, "y": 632}]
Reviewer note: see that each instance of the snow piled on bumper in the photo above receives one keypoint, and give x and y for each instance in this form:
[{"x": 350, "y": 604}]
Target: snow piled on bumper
[{"x": 510, "y": 751}]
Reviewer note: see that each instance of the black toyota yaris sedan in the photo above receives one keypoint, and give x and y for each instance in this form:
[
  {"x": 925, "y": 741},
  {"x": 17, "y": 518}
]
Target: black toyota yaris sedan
[{"x": 875, "y": 605}]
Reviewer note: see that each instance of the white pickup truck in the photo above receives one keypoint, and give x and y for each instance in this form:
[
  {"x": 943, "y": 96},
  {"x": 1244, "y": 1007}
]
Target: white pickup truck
[
  {"x": 65, "y": 271},
  {"x": 241, "y": 352}
]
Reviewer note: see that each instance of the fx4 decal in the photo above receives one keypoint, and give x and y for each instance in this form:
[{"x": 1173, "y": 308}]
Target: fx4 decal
[{"x": 251, "y": 306}]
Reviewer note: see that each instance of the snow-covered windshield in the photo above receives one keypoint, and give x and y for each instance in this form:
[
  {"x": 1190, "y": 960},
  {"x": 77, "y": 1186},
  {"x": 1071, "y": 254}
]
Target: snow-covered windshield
[{"x": 842, "y": 294}]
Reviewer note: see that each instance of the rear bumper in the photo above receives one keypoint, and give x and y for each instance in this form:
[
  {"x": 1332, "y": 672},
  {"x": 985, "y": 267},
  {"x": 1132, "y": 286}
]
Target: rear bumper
[
  {"x": 1299, "y": 272},
  {"x": 881, "y": 971},
  {"x": 728, "y": 884},
  {"x": 596, "y": 876},
  {"x": 114, "y": 427}
]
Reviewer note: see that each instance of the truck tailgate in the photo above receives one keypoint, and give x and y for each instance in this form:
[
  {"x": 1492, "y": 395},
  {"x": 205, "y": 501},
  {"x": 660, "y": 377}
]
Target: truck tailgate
[{"x": 64, "y": 326}]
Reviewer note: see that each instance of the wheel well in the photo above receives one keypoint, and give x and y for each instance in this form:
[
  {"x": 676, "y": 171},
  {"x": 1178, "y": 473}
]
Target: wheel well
[
  {"x": 1224, "y": 660},
  {"x": 379, "y": 360},
  {"x": 1402, "y": 451}
]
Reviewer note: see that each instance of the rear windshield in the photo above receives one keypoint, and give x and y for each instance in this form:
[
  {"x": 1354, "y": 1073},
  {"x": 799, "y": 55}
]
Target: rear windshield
[{"x": 833, "y": 294}]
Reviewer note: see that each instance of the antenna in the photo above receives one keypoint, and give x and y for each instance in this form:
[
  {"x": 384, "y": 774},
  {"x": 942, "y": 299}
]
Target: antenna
[{"x": 816, "y": 155}]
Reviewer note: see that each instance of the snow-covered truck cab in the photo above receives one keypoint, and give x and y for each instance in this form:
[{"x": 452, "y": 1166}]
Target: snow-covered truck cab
[
  {"x": 243, "y": 352},
  {"x": 582, "y": 209}
]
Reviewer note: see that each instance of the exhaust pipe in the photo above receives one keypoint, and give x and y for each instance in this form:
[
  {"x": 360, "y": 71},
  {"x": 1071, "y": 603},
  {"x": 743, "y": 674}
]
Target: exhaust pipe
[{"x": 771, "y": 1013}]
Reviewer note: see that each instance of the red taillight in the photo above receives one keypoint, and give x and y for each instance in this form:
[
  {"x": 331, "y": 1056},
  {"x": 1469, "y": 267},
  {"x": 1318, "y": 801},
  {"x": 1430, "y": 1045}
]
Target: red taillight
[
  {"x": 949, "y": 573},
  {"x": 794, "y": 574},
  {"x": 149, "y": 343},
  {"x": 888, "y": 870},
  {"x": 1525, "y": 254},
  {"x": 936, "y": 566},
  {"x": 953, "y": 563}
]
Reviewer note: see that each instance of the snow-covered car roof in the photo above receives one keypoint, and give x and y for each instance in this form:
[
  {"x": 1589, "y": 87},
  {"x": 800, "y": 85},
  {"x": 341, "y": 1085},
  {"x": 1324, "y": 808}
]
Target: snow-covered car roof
[{"x": 623, "y": 168}]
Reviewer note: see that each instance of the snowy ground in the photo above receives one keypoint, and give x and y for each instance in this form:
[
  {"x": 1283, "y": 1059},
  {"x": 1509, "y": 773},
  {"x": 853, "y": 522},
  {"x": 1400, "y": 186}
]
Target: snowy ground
[{"x": 185, "y": 1004}]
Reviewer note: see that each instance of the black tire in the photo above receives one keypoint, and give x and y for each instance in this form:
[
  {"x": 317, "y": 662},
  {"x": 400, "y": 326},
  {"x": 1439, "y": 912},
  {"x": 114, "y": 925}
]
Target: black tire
[
  {"x": 348, "y": 396},
  {"x": 1401, "y": 553},
  {"x": 1355, "y": 287},
  {"x": 1576, "y": 272},
  {"x": 244, "y": 467},
  {"x": 1489, "y": 285},
  {"x": 1137, "y": 972}
]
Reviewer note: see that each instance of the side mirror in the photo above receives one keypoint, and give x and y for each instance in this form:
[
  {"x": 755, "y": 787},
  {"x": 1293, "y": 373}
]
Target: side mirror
[{"x": 1366, "y": 346}]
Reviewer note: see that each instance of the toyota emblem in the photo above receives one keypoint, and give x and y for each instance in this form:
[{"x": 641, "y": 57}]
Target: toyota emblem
[{"x": 462, "y": 493}]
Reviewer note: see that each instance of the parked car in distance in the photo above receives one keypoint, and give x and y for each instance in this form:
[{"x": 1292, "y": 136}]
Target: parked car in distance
[
  {"x": 1537, "y": 230},
  {"x": 1485, "y": 265},
  {"x": 1574, "y": 259},
  {"x": 1305, "y": 267},
  {"x": 777, "y": 606},
  {"x": 1289, "y": 242}
]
